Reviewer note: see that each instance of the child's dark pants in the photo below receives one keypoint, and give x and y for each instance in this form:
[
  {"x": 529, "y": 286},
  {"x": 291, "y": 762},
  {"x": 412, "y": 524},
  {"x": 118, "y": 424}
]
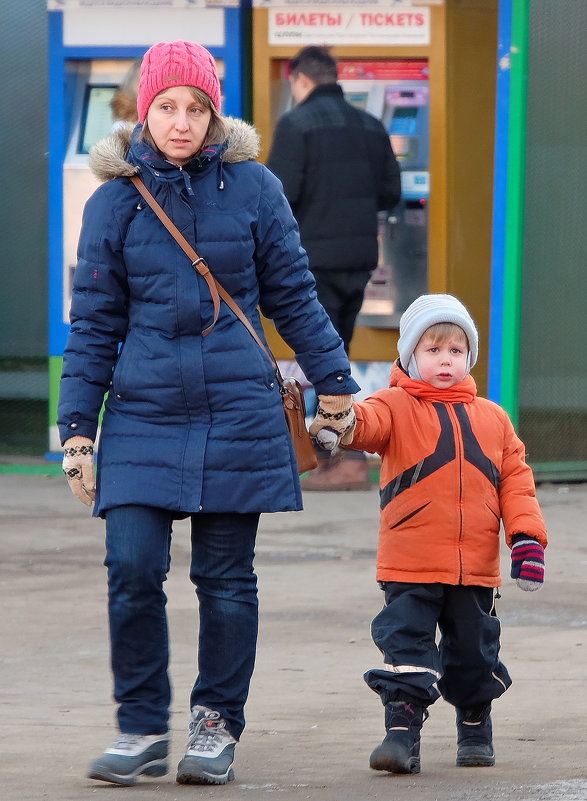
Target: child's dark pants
[{"x": 464, "y": 665}]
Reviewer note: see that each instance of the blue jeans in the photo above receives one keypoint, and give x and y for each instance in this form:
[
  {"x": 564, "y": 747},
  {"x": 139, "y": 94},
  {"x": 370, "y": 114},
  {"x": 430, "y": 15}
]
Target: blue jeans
[{"x": 138, "y": 540}]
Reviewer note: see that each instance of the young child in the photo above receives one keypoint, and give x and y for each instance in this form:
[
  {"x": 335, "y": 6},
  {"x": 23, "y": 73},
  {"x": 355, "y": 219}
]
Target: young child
[{"x": 452, "y": 468}]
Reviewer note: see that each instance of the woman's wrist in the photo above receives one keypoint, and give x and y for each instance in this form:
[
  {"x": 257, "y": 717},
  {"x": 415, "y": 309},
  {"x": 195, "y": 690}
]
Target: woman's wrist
[{"x": 335, "y": 406}]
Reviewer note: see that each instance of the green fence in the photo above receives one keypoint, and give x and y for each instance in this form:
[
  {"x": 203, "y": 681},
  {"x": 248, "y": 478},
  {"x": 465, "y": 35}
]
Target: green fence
[
  {"x": 553, "y": 356},
  {"x": 23, "y": 244}
]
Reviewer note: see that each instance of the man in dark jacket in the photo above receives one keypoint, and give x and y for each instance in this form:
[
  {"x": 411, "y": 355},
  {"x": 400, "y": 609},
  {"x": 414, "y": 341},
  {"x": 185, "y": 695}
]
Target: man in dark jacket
[{"x": 338, "y": 170}]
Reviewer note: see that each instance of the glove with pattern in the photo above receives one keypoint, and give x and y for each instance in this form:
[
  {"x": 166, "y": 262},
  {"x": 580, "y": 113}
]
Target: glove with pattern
[
  {"x": 78, "y": 466},
  {"x": 527, "y": 562},
  {"x": 335, "y": 421}
]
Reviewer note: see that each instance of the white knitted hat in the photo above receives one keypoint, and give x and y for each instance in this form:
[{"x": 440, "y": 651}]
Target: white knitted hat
[{"x": 426, "y": 311}]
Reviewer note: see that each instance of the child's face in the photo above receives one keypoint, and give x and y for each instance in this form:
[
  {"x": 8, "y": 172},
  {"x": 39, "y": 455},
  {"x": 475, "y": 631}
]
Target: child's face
[{"x": 442, "y": 362}]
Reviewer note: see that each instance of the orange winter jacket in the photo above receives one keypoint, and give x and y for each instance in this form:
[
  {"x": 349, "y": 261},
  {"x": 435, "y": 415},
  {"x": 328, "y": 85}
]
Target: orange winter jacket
[{"x": 452, "y": 468}]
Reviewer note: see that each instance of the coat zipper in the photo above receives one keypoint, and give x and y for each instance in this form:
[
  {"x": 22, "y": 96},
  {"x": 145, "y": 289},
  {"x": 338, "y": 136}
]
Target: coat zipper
[{"x": 459, "y": 455}]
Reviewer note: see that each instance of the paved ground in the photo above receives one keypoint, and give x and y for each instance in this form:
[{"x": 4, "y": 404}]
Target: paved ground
[{"x": 312, "y": 722}]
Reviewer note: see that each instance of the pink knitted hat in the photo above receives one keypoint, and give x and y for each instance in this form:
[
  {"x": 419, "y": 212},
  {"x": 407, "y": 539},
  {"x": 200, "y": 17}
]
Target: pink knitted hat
[{"x": 176, "y": 64}]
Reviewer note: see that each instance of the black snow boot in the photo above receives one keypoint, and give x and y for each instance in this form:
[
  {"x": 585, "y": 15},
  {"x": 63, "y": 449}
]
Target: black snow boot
[
  {"x": 474, "y": 737},
  {"x": 400, "y": 750}
]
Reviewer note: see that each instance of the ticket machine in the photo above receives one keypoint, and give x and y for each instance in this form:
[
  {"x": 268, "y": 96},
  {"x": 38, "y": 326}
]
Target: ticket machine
[
  {"x": 92, "y": 47},
  {"x": 426, "y": 68},
  {"x": 90, "y": 86},
  {"x": 397, "y": 92}
]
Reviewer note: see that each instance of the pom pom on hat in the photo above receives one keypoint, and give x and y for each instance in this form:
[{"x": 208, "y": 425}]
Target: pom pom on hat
[
  {"x": 428, "y": 310},
  {"x": 176, "y": 64}
]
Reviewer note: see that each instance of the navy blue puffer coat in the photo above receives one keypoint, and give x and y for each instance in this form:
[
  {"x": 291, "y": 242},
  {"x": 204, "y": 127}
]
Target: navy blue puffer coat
[{"x": 191, "y": 423}]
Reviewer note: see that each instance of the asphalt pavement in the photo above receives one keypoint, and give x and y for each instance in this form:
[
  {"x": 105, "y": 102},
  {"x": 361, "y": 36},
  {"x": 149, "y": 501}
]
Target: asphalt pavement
[{"x": 311, "y": 720}]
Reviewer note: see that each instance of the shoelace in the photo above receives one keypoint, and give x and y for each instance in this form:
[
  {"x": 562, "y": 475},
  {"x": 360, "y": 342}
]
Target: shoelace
[{"x": 205, "y": 733}]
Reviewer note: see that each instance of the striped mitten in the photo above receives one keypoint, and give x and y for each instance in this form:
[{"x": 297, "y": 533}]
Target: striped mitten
[{"x": 527, "y": 562}]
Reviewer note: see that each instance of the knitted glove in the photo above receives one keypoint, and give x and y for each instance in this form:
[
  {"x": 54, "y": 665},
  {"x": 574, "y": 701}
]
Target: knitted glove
[
  {"x": 78, "y": 466},
  {"x": 335, "y": 421},
  {"x": 527, "y": 562}
]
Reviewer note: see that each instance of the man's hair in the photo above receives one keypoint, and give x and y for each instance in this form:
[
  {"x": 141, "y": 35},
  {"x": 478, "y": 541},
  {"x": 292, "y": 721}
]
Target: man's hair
[{"x": 316, "y": 63}]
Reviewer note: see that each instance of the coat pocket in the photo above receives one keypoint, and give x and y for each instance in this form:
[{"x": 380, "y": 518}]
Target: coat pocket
[
  {"x": 400, "y": 513},
  {"x": 493, "y": 510},
  {"x": 128, "y": 370},
  {"x": 118, "y": 384}
]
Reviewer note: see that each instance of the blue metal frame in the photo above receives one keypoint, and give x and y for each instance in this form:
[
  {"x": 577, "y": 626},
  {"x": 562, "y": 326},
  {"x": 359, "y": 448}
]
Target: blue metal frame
[
  {"x": 233, "y": 56},
  {"x": 57, "y": 144},
  {"x": 502, "y": 113}
]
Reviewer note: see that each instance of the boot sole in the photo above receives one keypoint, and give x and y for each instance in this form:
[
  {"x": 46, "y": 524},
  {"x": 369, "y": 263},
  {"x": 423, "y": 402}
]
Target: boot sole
[
  {"x": 475, "y": 761},
  {"x": 397, "y": 767},
  {"x": 395, "y": 761}
]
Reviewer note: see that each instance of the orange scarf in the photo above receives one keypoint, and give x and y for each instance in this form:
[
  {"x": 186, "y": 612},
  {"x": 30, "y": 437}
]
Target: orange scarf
[{"x": 463, "y": 392}]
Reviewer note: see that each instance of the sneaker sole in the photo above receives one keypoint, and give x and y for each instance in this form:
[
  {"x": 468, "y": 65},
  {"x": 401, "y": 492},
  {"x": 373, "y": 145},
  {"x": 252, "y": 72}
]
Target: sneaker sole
[
  {"x": 190, "y": 776},
  {"x": 153, "y": 769}
]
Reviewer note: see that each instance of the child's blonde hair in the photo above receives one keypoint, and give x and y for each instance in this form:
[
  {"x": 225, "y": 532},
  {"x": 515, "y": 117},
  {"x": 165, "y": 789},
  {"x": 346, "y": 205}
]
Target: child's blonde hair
[{"x": 441, "y": 332}]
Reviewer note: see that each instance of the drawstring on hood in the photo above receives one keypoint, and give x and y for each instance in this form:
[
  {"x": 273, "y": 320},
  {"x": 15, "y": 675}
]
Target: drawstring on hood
[{"x": 187, "y": 181}]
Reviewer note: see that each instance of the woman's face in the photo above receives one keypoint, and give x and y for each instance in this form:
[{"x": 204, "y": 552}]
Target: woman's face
[{"x": 178, "y": 124}]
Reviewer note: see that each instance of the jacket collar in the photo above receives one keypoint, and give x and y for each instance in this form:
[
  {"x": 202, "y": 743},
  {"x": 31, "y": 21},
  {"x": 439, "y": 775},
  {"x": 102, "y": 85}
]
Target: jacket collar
[
  {"x": 122, "y": 153},
  {"x": 463, "y": 392},
  {"x": 325, "y": 90},
  {"x": 140, "y": 153}
]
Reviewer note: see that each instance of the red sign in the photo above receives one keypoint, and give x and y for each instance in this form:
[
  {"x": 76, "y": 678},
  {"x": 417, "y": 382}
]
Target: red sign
[{"x": 408, "y": 69}]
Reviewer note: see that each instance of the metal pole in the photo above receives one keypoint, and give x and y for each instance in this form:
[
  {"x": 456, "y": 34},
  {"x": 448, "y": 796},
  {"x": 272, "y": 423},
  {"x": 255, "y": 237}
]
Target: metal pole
[
  {"x": 502, "y": 112},
  {"x": 514, "y": 241}
]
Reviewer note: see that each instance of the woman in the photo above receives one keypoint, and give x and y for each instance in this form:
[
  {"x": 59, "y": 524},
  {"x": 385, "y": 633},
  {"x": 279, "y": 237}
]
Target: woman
[{"x": 193, "y": 425}]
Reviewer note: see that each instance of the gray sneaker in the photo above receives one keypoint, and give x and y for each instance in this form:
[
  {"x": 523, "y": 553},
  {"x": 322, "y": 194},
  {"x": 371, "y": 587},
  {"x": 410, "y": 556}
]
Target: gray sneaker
[
  {"x": 131, "y": 755},
  {"x": 210, "y": 752}
]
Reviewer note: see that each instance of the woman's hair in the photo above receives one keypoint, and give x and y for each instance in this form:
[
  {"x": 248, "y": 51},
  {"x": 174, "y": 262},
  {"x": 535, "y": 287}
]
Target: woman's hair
[
  {"x": 441, "y": 332},
  {"x": 124, "y": 102},
  {"x": 217, "y": 130}
]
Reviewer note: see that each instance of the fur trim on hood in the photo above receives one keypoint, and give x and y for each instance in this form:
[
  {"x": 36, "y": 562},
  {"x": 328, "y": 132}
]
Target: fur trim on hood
[{"x": 108, "y": 157}]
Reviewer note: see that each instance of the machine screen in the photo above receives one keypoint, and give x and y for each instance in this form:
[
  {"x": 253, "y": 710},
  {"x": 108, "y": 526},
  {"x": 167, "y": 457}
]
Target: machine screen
[
  {"x": 404, "y": 121},
  {"x": 357, "y": 99},
  {"x": 96, "y": 121}
]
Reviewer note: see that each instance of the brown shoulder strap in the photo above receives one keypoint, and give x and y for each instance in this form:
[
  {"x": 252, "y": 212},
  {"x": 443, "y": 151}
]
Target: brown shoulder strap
[
  {"x": 198, "y": 263},
  {"x": 201, "y": 266}
]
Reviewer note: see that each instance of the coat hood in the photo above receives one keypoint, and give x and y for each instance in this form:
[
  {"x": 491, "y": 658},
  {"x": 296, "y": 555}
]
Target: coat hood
[{"x": 108, "y": 157}]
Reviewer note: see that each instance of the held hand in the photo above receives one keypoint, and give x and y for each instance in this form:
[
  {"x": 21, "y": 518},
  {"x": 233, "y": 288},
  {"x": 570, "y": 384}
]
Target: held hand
[
  {"x": 334, "y": 422},
  {"x": 78, "y": 466},
  {"x": 527, "y": 563}
]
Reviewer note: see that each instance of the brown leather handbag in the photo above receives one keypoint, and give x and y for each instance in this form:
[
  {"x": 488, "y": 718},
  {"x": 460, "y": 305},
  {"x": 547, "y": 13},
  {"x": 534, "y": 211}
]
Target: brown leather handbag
[
  {"x": 295, "y": 417},
  {"x": 291, "y": 392}
]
